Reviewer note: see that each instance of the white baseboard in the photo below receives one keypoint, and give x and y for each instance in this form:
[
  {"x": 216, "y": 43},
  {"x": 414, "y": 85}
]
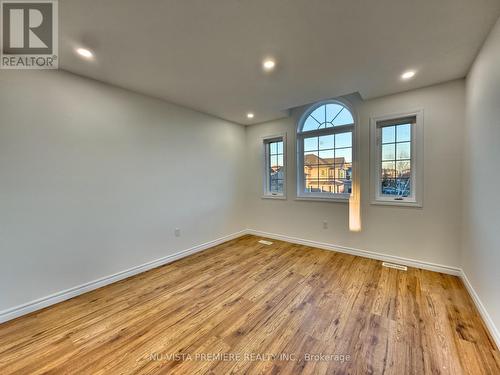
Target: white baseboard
[
  {"x": 362, "y": 253},
  {"x": 494, "y": 332},
  {"x": 52, "y": 299}
]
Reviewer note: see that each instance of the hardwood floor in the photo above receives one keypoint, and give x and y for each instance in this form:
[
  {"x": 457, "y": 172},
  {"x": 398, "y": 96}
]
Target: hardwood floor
[{"x": 228, "y": 309}]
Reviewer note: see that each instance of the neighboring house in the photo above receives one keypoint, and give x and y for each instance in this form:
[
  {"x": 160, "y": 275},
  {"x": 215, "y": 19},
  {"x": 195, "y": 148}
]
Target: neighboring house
[{"x": 332, "y": 175}]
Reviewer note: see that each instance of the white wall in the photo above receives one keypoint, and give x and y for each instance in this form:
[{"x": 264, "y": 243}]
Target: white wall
[
  {"x": 481, "y": 245},
  {"x": 94, "y": 179},
  {"x": 430, "y": 234}
]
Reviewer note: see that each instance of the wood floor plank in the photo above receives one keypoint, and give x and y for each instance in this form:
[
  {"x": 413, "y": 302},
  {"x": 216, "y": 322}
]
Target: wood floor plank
[{"x": 245, "y": 307}]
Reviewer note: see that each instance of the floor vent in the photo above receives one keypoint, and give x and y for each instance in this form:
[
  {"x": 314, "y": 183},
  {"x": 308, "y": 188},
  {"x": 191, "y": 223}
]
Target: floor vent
[
  {"x": 264, "y": 242},
  {"x": 396, "y": 266}
]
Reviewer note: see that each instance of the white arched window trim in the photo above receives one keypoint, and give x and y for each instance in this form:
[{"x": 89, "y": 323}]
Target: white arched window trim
[{"x": 304, "y": 193}]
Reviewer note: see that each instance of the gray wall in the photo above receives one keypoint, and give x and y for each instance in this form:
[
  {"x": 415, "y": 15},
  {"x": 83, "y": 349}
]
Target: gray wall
[
  {"x": 481, "y": 245},
  {"x": 430, "y": 234},
  {"x": 94, "y": 179}
]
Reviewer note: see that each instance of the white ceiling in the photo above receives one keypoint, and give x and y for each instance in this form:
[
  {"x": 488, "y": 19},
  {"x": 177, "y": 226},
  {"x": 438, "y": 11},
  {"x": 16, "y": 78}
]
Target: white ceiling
[{"x": 206, "y": 54}]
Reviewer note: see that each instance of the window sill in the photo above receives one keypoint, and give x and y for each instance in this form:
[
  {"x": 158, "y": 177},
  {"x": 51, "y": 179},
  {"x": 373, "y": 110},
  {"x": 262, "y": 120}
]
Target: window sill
[
  {"x": 324, "y": 199},
  {"x": 282, "y": 197},
  {"x": 392, "y": 202}
]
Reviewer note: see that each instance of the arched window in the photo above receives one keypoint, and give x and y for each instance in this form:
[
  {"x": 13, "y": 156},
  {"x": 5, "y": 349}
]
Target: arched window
[{"x": 325, "y": 151}]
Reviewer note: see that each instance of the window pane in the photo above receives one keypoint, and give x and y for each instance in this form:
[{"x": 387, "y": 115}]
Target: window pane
[
  {"x": 345, "y": 154},
  {"x": 327, "y": 142},
  {"x": 404, "y": 133},
  {"x": 311, "y": 158},
  {"x": 403, "y": 168},
  {"x": 332, "y": 111},
  {"x": 319, "y": 114},
  {"x": 311, "y": 144},
  {"x": 276, "y": 179},
  {"x": 343, "y": 140},
  {"x": 388, "y": 134},
  {"x": 311, "y": 186},
  {"x": 310, "y": 124},
  {"x": 388, "y": 169},
  {"x": 335, "y": 173},
  {"x": 396, "y": 182},
  {"x": 331, "y": 171},
  {"x": 403, "y": 150},
  {"x": 280, "y": 161},
  {"x": 346, "y": 187},
  {"x": 274, "y": 161},
  {"x": 342, "y": 179},
  {"x": 273, "y": 147},
  {"x": 389, "y": 151},
  {"x": 343, "y": 118},
  {"x": 280, "y": 147},
  {"x": 403, "y": 187},
  {"x": 280, "y": 185},
  {"x": 311, "y": 174},
  {"x": 326, "y": 185},
  {"x": 326, "y": 156},
  {"x": 323, "y": 171},
  {"x": 388, "y": 186},
  {"x": 276, "y": 184}
]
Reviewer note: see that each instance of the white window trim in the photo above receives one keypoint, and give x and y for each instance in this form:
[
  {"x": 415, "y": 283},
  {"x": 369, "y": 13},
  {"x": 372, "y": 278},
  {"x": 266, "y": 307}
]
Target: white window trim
[
  {"x": 417, "y": 160},
  {"x": 265, "y": 178},
  {"x": 302, "y": 195}
]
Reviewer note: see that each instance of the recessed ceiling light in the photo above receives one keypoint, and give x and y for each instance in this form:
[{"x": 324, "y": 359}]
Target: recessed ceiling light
[
  {"x": 84, "y": 52},
  {"x": 250, "y": 115},
  {"x": 268, "y": 64},
  {"x": 407, "y": 75}
]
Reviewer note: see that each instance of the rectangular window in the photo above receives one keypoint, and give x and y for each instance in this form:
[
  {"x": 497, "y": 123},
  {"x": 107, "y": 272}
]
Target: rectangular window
[
  {"x": 274, "y": 169},
  {"x": 328, "y": 164},
  {"x": 396, "y": 159}
]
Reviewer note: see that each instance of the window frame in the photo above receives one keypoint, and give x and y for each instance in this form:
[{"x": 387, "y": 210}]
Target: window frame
[
  {"x": 416, "y": 159},
  {"x": 267, "y": 194},
  {"x": 300, "y": 135}
]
